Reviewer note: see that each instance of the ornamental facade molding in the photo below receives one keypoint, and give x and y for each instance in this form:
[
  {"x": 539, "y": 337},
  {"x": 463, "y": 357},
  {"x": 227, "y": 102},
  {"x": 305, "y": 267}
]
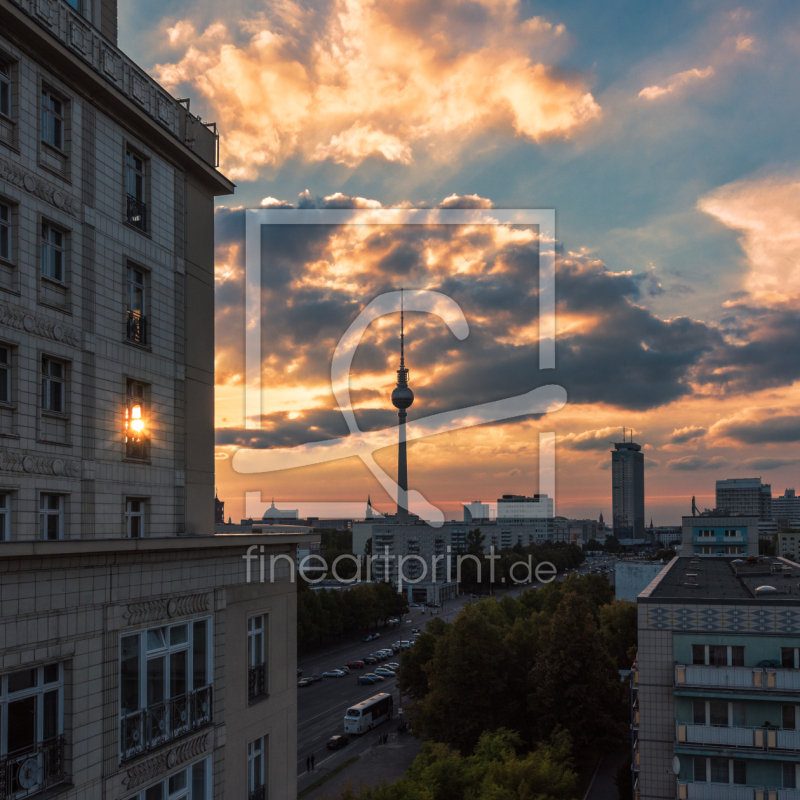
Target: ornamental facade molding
[
  {"x": 150, "y": 769},
  {"x": 19, "y": 319},
  {"x": 18, "y": 462},
  {"x": 157, "y": 610},
  {"x": 17, "y": 176}
]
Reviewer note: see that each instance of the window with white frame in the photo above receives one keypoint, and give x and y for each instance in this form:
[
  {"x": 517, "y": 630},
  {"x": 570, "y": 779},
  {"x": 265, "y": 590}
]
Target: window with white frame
[
  {"x": 790, "y": 776},
  {"x": 51, "y": 516},
  {"x": 718, "y": 655},
  {"x": 135, "y": 185},
  {"x": 5, "y": 231},
  {"x": 54, "y": 374},
  {"x": 136, "y": 301},
  {"x": 720, "y": 770},
  {"x": 134, "y": 518},
  {"x": 31, "y": 728},
  {"x": 165, "y": 684},
  {"x": 5, "y": 88},
  {"x": 256, "y": 675},
  {"x": 256, "y": 768},
  {"x": 190, "y": 783},
  {"x": 52, "y": 119},
  {"x": 5, "y": 374},
  {"x": 53, "y": 252}
]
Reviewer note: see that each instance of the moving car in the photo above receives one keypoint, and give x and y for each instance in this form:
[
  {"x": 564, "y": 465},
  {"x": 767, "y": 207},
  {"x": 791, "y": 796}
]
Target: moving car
[
  {"x": 413, "y": 605},
  {"x": 333, "y": 673},
  {"x": 337, "y": 742},
  {"x": 376, "y": 636},
  {"x": 366, "y": 680},
  {"x": 367, "y": 638},
  {"x": 415, "y": 630},
  {"x": 355, "y": 664},
  {"x": 303, "y": 682}
]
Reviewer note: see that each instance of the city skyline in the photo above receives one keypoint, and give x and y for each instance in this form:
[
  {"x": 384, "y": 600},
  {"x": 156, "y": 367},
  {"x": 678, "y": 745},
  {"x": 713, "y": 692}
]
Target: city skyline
[{"x": 675, "y": 298}]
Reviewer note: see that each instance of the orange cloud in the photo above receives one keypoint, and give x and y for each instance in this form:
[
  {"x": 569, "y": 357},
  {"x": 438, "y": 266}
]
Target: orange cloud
[
  {"x": 766, "y": 211},
  {"x": 677, "y": 81},
  {"x": 377, "y": 80}
]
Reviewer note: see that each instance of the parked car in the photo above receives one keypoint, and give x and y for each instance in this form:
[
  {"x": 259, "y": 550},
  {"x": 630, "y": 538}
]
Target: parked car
[
  {"x": 374, "y": 676},
  {"x": 378, "y": 656},
  {"x": 395, "y": 646},
  {"x": 387, "y": 651},
  {"x": 344, "y": 669},
  {"x": 369, "y": 660},
  {"x": 392, "y": 665},
  {"x": 366, "y": 680},
  {"x": 385, "y": 671},
  {"x": 405, "y": 644},
  {"x": 303, "y": 682},
  {"x": 355, "y": 664},
  {"x": 413, "y": 605},
  {"x": 415, "y": 630},
  {"x": 316, "y": 677},
  {"x": 409, "y": 621},
  {"x": 337, "y": 742},
  {"x": 333, "y": 673}
]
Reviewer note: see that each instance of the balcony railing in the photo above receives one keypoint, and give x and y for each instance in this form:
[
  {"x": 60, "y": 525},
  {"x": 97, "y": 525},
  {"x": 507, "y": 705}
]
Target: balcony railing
[
  {"x": 721, "y": 791},
  {"x": 258, "y": 794},
  {"x": 137, "y": 213},
  {"x": 162, "y": 722},
  {"x": 758, "y": 678},
  {"x": 256, "y": 682},
  {"x": 724, "y": 736},
  {"x": 33, "y": 770},
  {"x": 137, "y": 327}
]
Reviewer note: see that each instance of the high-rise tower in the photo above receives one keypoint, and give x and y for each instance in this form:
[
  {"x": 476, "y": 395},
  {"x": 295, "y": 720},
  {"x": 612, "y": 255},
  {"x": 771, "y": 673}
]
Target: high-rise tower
[
  {"x": 402, "y": 398},
  {"x": 627, "y": 487}
]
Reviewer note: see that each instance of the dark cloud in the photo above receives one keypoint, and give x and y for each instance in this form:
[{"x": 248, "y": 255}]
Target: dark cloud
[
  {"x": 681, "y": 435},
  {"x": 779, "y": 429},
  {"x": 692, "y": 463},
  {"x": 766, "y": 463}
]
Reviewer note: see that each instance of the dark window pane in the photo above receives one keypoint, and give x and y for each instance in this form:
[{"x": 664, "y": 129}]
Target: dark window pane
[
  {"x": 699, "y": 769},
  {"x": 739, "y": 714},
  {"x": 155, "y": 792},
  {"x": 178, "y": 781},
  {"x": 155, "y": 680},
  {"x": 52, "y": 526},
  {"x": 50, "y": 715},
  {"x": 199, "y": 654},
  {"x": 699, "y": 712},
  {"x": 199, "y": 781},
  {"x": 177, "y": 674},
  {"x": 737, "y": 656},
  {"x": 50, "y": 673},
  {"x": 698, "y": 654},
  {"x": 129, "y": 673},
  {"x": 719, "y": 712},
  {"x": 740, "y": 772},
  {"x": 789, "y": 776},
  {"x": 787, "y": 657},
  {"x": 719, "y": 770},
  {"x": 788, "y": 718},
  {"x": 718, "y": 655},
  {"x": 21, "y": 724},
  {"x": 24, "y": 679}
]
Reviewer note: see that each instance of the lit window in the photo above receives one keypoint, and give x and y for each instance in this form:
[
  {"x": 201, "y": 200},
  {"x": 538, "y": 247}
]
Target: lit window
[
  {"x": 53, "y": 376},
  {"x": 5, "y": 89},
  {"x": 5, "y": 232},
  {"x": 5, "y": 375},
  {"x": 52, "y": 253},
  {"x": 52, "y": 120},
  {"x": 134, "y": 518},
  {"x": 137, "y": 441},
  {"x": 51, "y": 516},
  {"x": 136, "y": 298}
]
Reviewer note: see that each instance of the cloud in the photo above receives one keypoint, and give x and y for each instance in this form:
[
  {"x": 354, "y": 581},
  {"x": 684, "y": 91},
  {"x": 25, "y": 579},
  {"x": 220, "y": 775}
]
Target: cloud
[
  {"x": 766, "y": 212},
  {"x": 363, "y": 79},
  {"x": 758, "y": 426},
  {"x": 466, "y": 201},
  {"x": 590, "y": 440},
  {"x": 681, "y": 435},
  {"x": 692, "y": 463},
  {"x": 676, "y": 82},
  {"x": 758, "y": 464}
]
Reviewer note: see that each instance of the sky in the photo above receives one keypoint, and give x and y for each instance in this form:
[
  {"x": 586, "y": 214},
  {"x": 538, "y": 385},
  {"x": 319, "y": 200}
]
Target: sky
[{"x": 663, "y": 135}]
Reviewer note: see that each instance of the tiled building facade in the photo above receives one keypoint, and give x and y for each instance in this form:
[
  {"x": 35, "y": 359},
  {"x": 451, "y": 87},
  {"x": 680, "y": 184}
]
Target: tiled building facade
[{"x": 136, "y": 659}]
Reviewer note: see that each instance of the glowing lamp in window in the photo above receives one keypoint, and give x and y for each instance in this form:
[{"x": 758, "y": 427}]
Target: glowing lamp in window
[{"x": 137, "y": 423}]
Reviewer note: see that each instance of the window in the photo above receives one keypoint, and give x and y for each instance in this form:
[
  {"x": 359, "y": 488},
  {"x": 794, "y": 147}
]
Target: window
[
  {"x": 700, "y": 769},
  {"x": 789, "y": 657},
  {"x": 76, "y": 4},
  {"x": 134, "y": 518},
  {"x": 31, "y": 727},
  {"x": 718, "y": 655},
  {"x": 5, "y": 89},
  {"x": 165, "y": 686},
  {"x": 136, "y": 297},
  {"x": 737, "y": 656},
  {"x": 719, "y": 770},
  {"x": 699, "y": 717},
  {"x": 698, "y": 654},
  {"x": 5, "y": 375},
  {"x": 739, "y": 769},
  {"x": 255, "y": 769},
  {"x": 51, "y": 516},
  {"x": 5, "y": 230},
  {"x": 789, "y": 776},
  {"x": 135, "y": 167},
  {"x": 256, "y": 676},
  {"x": 191, "y": 783},
  {"x": 53, "y": 248},
  {"x": 4, "y": 516},
  {"x": 53, "y": 378},
  {"x": 52, "y": 120},
  {"x": 137, "y": 442},
  {"x": 789, "y": 719}
]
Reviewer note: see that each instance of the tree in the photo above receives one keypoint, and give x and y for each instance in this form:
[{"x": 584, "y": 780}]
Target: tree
[
  {"x": 414, "y": 668},
  {"x": 618, "y": 624},
  {"x": 578, "y": 688}
]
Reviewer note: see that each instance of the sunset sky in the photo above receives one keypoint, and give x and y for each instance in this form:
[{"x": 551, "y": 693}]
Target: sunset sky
[{"x": 663, "y": 135}]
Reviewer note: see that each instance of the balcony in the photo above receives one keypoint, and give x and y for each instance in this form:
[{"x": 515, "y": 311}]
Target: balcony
[
  {"x": 256, "y": 682},
  {"x": 724, "y": 736},
  {"x": 30, "y": 771},
  {"x": 722, "y": 791},
  {"x": 163, "y": 722},
  {"x": 258, "y": 794},
  {"x": 770, "y": 679},
  {"x": 136, "y": 213},
  {"x": 137, "y": 327}
]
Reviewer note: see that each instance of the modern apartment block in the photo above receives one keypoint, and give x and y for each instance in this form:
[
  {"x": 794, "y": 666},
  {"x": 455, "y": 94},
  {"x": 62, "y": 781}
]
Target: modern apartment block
[
  {"x": 716, "y": 684},
  {"x": 747, "y": 496},
  {"x": 515, "y": 507},
  {"x": 718, "y": 533},
  {"x": 786, "y": 510},
  {"x": 627, "y": 490},
  {"x": 136, "y": 659}
]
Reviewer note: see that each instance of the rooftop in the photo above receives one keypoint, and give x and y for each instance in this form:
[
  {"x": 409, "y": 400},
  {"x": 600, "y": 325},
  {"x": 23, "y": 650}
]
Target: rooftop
[{"x": 688, "y": 578}]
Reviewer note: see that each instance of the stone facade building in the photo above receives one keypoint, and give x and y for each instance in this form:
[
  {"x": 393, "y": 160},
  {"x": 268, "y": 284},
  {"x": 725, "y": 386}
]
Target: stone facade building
[{"x": 136, "y": 659}]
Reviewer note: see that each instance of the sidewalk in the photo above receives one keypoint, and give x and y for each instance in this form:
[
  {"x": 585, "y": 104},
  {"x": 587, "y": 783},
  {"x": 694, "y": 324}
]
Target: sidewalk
[{"x": 375, "y": 764}]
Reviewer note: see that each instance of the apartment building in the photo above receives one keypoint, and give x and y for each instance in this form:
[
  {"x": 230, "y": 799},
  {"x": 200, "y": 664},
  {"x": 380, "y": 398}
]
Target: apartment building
[
  {"x": 747, "y": 496},
  {"x": 720, "y": 534},
  {"x": 136, "y": 658},
  {"x": 716, "y": 684}
]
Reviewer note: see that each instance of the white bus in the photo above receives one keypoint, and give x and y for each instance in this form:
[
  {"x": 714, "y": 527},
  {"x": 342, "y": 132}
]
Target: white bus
[{"x": 367, "y": 715}]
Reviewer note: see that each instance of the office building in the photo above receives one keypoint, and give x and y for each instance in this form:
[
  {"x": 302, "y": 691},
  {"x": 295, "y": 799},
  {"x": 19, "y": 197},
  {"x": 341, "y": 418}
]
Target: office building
[
  {"x": 786, "y": 510},
  {"x": 136, "y": 661},
  {"x": 746, "y": 496},
  {"x": 627, "y": 490},
  {"x": 476, "y": 511},
  {"x": 517, "y": 508},
  {"x": 716, "y": 684}
]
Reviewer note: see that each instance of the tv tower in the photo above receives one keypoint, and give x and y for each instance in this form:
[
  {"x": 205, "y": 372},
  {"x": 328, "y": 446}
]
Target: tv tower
[{"x": 402, "y": 398}]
